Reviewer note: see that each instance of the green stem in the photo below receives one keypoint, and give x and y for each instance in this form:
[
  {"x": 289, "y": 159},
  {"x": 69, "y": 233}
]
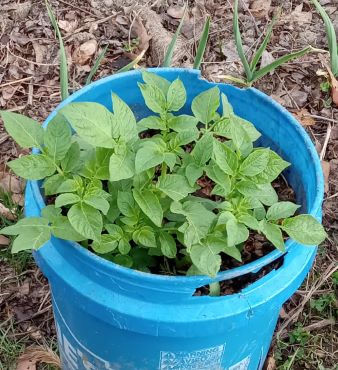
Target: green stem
[
  {"x": 215, "y": 289},
  {"x": 164, "y": 169}
]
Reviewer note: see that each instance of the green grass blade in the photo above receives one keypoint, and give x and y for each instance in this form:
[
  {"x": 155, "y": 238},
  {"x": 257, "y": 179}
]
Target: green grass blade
[
  {"x": 264, "y": 44},
  {"x": 202, "y": 44},
  {"x": 96, "y": 65},
  {"x": 278, "y": 62},
  {"x": 331, "y": 36},
  {"x": 170, "y": 51},
  {"x": 238, "y": 41},
  {"x": 63, "y": 57},
  {"x": 132, "y": 64}
]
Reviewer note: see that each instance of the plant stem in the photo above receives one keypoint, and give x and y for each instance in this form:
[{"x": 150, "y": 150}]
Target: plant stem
[
  {"x": 215, "y": 289},
  {"x": 164, "y": 169}
]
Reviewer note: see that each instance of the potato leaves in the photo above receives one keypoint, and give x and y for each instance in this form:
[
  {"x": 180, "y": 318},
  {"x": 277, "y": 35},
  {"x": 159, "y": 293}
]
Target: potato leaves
[{"x": 171, "y": 187}]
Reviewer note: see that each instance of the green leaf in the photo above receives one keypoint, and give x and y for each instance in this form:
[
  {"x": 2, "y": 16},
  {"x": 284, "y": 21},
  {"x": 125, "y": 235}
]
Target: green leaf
[
  {"x": 248, "y": 127},
  {"x": 255, "y": 163},
  {"x": 106, "y": 244},
  {"x": 86, "y": 220},
  {"x": 125, "y": 261},
  {"x": 151, "y": 122},
  {"x": 150, "y": 205},
  {"x": 182, "y": 123},
  {"x": 145, "y": 236},
  {"x": 202, "y": 44},
  {"x": 238, "y": 42},
  {"x": 175, "y": 186},
  {"x": 57, "y": 138},
  {"x": 263, "y": 45},
  {"x": 278, "y": 62},
  {"x": 96, "y": 198},
  {"x": 176, "y": 96},
  {"x": 249, "y": 221},
  {"x": 205, "y": 105},
  {"x": 220, "y": 244},
  {"x": 305, "y": 229},
  {"x": 203, "y": 149},
  {"x": 193, "y": 172},
  {"x": 24, "y": 225},
  {"x": 170, "y": 160},
  {"x": 273, "y": 234},
  {"x": 156, "y": 80},
  {"x": 114, "y": 230},
  {"x": 126, "y": 203},
  {"x": 52, "y": 183},
  {"x": 32, "y": 238},
  {"x": 265, "y": 193},
  {"x": 92, "y": 122},
  {"x": 121, "y": 163},
  {"x": 225, "y": 158},
  {"x": 227, "y": 110},
  {"x": 123, "y": 120},
  {"x": 50, "y": 213},
  {"x": 61, "y": 228},
  {"x": 25, "y": 131},
  {"x": 154, "y": 98},
  {"x": 71, "y": 161},
  {"x": 331, "y": 36},
  {"x": 274, "y": 167},
  {"x": 65, "y": 199},
  {"x": 232, "y": 231},
  {"x": 199, "y": 220},
  {"x": 63, "y": 57},
  {"x": 69, "y": 186},
  {"x": 206, "y": 258},
  {"x": 124, "y": 246},
  {"x": 215, "y": 173},
  {"x": 96, "y": 65},
  {"x": 170, "y": 51},
  {"x": 148, "y": 156},
  {"x": 33, "y": 166},
  {"x": 168, "y": 244},
  {"x": 183, "y": 138},
  {"x": 281, "y": 210}
]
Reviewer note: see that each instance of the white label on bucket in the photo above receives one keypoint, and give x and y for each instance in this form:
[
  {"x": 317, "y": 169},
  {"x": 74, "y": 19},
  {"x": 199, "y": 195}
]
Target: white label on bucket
[
  {"x": 242, "y": 365},
  {"x": 204, "y": 359}
]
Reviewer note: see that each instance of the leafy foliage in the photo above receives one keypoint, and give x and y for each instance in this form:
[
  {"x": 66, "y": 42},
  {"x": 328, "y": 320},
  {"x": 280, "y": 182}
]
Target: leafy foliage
[{"x": 130, "y": 197}]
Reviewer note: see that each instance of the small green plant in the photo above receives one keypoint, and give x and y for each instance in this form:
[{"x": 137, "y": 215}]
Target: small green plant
[
  {"x": 130, "y": 47},
  {"x": 324, "y": 302},
  {"x": 131, "y": 191},
  {"x": 252, "y": 72}
]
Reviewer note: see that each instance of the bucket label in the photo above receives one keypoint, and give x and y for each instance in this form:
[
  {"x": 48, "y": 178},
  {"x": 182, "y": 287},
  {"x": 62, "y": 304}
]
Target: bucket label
[
  {"x": 242, "y": 365},
  {"x": 204, "y": 359}
]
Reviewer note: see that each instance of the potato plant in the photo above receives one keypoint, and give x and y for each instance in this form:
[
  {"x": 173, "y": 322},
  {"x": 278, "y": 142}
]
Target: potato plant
[{"x": 132, "y": 191}]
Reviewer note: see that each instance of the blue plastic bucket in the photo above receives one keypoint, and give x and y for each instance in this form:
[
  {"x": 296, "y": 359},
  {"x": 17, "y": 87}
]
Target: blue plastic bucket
[{"x": 111, "y": 317}]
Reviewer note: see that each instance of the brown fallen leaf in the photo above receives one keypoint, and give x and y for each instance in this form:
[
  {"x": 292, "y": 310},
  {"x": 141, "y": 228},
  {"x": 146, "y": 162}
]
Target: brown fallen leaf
[
  {"x": 4, "y": 241},
  {"x": 303, "y": 116},
  {"x": 260, "y": 8},
  {"x": 18, "y": 199},
  {"x": 84, "y": 52},
  {"x": 141, "y": 33},
  {"x": 326, "y": 173},
  {"x": 176, "y": 11},
  {"x": 283, "y": 315},
  {"x": 10, "y": 183},
  {"x": 7, "y": 213},
  {"x": 68, "y": 26},
  {"x": 35, "y": 355}
]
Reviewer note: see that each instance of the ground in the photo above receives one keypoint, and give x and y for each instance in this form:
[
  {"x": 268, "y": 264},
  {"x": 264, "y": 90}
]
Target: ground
[{"x": 306, "y": 336}]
